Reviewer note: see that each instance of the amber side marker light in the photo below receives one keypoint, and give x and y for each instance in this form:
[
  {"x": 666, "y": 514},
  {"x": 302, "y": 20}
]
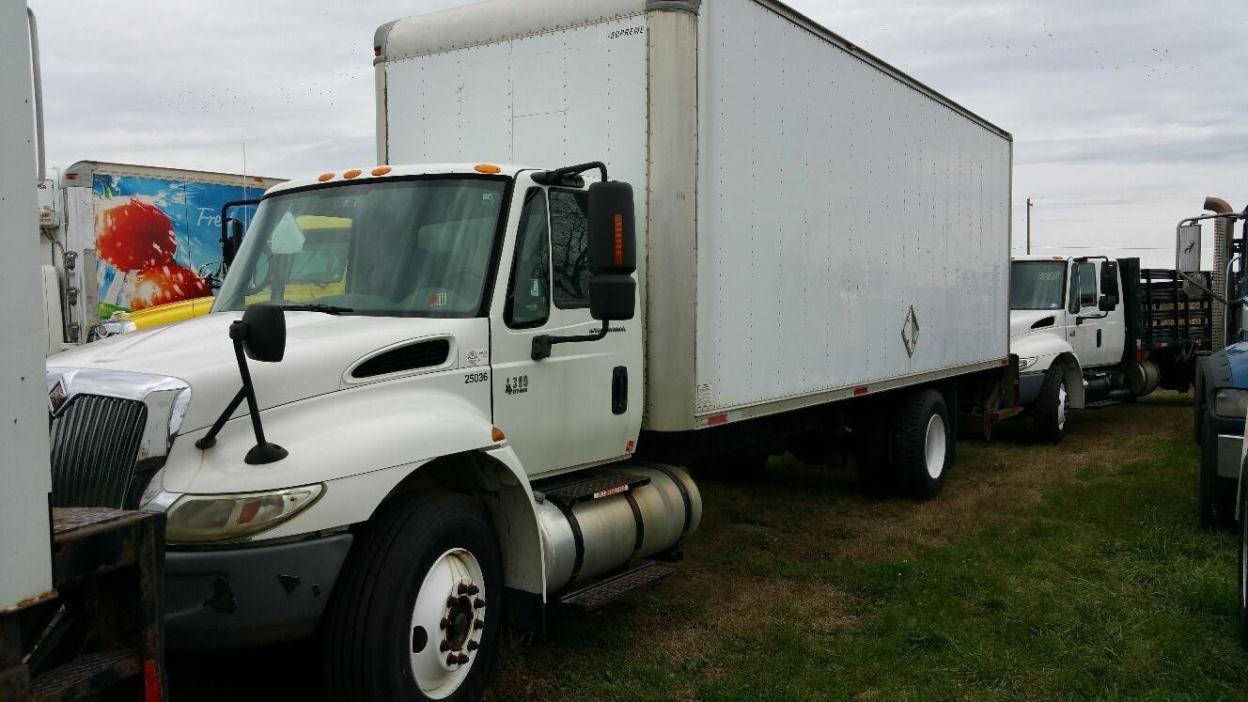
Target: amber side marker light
[
  {"x": 497, "y": 434},
  {"x": 324, "y": 177},
  {"x": 381, "y": 170},
  {"x": 353, "y": 173},
  {"x": 487, "y": 168}
]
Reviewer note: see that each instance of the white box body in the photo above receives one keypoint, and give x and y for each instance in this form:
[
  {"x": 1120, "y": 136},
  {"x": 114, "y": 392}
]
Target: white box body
[{"x": 796, "y": 197}]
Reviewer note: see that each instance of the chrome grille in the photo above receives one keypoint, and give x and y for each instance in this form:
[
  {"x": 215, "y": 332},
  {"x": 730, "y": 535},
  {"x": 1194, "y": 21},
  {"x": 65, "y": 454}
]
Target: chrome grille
[{"x": 95, "y": 442}]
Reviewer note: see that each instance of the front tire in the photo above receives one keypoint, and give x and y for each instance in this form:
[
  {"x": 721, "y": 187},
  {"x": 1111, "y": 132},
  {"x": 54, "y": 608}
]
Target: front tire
[
  {"x": 417, "y": 616},
  {"x": 1052, "y": 405},
  {"x": 1215, "y": 494},
  {"x": 921, "y": 443},
  {"x": 1243, "y": 569}
]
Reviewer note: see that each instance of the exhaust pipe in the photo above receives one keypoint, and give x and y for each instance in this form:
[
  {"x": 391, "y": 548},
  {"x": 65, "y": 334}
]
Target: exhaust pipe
[{"x": 1222, "y": 230}]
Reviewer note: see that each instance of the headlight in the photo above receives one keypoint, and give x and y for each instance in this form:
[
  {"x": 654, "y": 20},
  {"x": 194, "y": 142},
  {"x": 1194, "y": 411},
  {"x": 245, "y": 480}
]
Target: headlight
[
  {"x": 1025, "y": 363},
  {"x": 103, "y": 330},
  {"x": 205, "y": 518},
  {"x": 1228, "y": 402}
]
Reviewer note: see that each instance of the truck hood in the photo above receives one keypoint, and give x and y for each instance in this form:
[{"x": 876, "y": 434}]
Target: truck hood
[
  {"x": 1023, "y": 322},
  {"x": 320, "y": 348}
]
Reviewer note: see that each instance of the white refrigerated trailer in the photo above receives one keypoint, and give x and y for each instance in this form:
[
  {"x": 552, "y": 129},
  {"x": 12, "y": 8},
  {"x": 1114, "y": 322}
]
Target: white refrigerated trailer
[{"x": 482, "y": 409}]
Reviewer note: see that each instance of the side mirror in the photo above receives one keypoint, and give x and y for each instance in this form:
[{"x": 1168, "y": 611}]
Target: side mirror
[
  {"x": 1107, "y": 303},
  {"x": 262, "y": 331},
  {"x": 1109, "y": 279},
  {"x": 1187, "y": 249},
  {"x": 612, "y": 251},
  {"x": 231, "y": 239}
]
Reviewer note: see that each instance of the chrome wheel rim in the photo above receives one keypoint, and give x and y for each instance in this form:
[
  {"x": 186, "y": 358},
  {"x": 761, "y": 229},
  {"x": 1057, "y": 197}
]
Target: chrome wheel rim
[
  {"x": 448, "y": 619},
  {"x": 935, "y": 446},
  {"x": 1061, "y": 406}
]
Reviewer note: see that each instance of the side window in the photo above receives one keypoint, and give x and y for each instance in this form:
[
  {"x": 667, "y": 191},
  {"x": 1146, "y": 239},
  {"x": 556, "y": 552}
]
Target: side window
[
  {"x": 528, "y": 293},
  {"x": 1087, "y": 285},
  {"x": 569, "y": 245}
]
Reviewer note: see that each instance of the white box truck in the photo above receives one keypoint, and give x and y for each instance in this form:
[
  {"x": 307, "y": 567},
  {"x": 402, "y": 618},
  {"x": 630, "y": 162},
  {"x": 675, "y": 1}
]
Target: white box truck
[
  {"x": 123, "y": 238},
  {"x": 483, "y": 410}
]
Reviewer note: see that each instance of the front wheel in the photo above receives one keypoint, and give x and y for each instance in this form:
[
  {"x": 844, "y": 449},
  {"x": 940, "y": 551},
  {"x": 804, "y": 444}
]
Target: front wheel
[
  {"x": 417, "y": 615},
  {"x": 921, "y": 443},
  {"x": 1243, "y": 568},
  {"x": 1049, "y": 413},
  {"x": 1215, "y": 499}
]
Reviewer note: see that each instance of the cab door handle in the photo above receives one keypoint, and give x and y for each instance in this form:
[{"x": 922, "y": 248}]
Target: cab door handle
[{"x": 619, "y": 390}]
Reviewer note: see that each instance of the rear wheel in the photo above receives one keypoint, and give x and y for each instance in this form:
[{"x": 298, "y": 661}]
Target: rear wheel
[
  {"x": 1049, "y": 413},
  {"x": 1215, "y": 494},
  {"x": 921, "y": 443},
  {"x": 417, "y": 614}
]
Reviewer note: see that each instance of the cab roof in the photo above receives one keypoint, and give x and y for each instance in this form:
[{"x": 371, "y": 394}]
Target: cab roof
[{"x": 380, "y": 173}]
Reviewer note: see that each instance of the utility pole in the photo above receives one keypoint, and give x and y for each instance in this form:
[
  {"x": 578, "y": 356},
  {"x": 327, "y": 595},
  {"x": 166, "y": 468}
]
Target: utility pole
[{"x": 1029, "y": 226}]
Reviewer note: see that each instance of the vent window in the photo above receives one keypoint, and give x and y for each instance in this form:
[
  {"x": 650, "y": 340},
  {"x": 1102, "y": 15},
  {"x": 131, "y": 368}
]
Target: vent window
[{"x": 421, "y": 355}]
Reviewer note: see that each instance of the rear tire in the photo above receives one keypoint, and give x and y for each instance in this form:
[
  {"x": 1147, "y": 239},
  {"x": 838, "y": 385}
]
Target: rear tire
[
  {"x": 1052, "y": 404},
  {"x": 424, "y": 582},
  {"x": 921, "y": 443},
  {"x": 1215, "y": 494}
]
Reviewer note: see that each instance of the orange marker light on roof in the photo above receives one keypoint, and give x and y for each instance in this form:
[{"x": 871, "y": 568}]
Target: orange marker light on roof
[
  {"x": 381, "y": 170},
  {"x": 324, "y": 177},
  {"x": 487, "y": 168},
  {"x": 353, "y": 173},
  {"x": 497, "y": 434}
]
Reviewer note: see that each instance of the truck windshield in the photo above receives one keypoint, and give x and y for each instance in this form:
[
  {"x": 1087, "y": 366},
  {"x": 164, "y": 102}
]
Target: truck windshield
[
  {"x": 1037, "y": 285},
  {"x": 406, "y": 248}
]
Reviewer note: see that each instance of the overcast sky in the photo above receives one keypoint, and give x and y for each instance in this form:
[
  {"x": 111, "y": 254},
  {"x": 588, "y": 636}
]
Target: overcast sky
[{"x": 1125, "y": 113}]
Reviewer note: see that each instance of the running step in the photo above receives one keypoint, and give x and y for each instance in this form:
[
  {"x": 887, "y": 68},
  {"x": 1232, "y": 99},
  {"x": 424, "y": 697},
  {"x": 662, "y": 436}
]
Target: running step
[
  {"x": 1101, "y": 403},
  {"x": 86, "y": 674},
  {"x": 594, "y": 488},
  {"x": 604, "y": 592}
]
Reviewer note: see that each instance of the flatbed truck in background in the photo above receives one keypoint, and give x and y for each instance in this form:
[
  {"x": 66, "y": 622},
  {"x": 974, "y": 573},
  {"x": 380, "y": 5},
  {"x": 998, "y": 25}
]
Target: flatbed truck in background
[
  {"x": 80, "y": 589},
  {"x": 487, "y": 412},
  {"x": 1092, "y": 330}
]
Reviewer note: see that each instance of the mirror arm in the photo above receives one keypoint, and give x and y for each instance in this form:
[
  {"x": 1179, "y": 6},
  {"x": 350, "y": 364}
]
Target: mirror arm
[
  {"x": 542, "y": 343},
  {"x": 263, "y": 452},
  {"x": 1189, "y": 278}
]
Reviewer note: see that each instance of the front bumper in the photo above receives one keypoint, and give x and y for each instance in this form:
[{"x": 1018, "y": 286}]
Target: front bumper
[{"x": 250, "y": 596}]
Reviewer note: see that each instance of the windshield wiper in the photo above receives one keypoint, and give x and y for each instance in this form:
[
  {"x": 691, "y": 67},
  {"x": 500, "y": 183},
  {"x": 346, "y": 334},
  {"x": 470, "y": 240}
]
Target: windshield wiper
[{"x": 318, "y": 307}]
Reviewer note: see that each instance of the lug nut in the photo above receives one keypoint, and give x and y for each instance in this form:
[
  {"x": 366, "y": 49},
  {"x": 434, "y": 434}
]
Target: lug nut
[
  {"x": 478, "y": 625},
  {"x": 473, "y": 645},
  {"x": 451, "y": 602},
  {"x": 445, "y": 623},
  {"x": 462, "y": 659},
  {"x": 463, "y": 589},
  {"x": 451, "y": 659},
  {"x": 473, "y": 589},
  {"x": 478, "y": 603},
  {"x": 444, "y": 646}
]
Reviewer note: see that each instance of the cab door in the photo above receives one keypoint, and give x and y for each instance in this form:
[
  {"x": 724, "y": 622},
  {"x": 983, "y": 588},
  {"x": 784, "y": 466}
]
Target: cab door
[
  {"x": 582, "y": 405},
  {"x": 1098, "y": 336}
]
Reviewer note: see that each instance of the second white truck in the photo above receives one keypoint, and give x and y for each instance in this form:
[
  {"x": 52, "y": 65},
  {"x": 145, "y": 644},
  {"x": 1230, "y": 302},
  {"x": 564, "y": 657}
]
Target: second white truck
[
  {"x": 1091, "y": 330},
  {"x": 483, "y": 410}
]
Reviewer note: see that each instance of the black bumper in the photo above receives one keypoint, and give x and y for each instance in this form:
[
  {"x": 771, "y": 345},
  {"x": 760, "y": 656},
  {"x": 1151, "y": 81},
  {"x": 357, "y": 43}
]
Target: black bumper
[
  {"x": 249, "y": 596},
  {"x": 1029, "y": 388}
]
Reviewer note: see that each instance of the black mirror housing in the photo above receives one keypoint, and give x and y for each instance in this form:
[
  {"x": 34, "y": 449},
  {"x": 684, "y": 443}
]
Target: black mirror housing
[
  {"x": 612, "y": 235},
  {"x": 263, "y": 332},
  {"x": 612, "y": 297},
  {"x": 232, "y": 239}
]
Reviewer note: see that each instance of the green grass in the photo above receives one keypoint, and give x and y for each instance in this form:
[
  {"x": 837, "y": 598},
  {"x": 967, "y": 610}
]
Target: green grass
[{"x": 1071, "y": 572}]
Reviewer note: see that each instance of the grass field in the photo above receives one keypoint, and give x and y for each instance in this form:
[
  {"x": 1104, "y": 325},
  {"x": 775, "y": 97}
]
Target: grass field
[{"x": 1066, "y": 572}]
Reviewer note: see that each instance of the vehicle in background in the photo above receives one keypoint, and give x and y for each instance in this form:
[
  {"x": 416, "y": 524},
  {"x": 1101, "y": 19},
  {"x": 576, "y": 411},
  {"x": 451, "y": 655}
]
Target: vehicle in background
[
  {"x": 481, "y": 409},
  {"x": 1221, "y": 396},
  {"x": 1092, "y": 330},
  {"x": 80, "y": 597},
  {"x": 119, "y": 238},
  {"x": 318, "y": 270}
]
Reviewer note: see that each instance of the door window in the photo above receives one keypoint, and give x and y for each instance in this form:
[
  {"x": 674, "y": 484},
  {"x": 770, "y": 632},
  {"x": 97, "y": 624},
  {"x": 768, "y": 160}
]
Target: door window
[
  {"x": 528, "y": 293},
  {"x": 569, "y": 245},
  {"x": 1083, "y": 287}
]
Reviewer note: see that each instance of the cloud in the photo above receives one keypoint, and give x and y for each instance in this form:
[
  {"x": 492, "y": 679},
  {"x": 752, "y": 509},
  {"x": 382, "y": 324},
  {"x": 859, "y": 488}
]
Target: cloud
[{"x": 1110, "y": 101}]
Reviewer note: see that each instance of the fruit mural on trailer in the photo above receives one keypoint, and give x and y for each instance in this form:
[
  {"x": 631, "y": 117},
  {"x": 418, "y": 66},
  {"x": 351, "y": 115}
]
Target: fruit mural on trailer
[{"x": 156, "y": 238}]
